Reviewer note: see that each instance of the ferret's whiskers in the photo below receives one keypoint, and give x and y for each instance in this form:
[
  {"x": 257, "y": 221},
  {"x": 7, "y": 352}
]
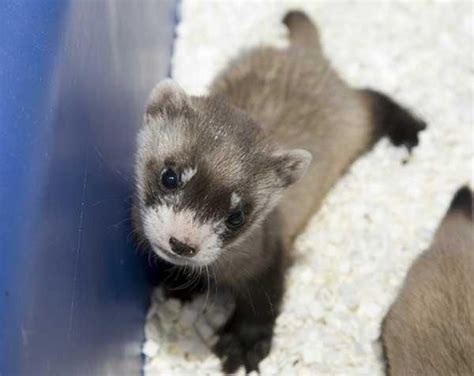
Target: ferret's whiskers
[
  {"x": 207, "y": 291},
  {"x": 120, "y": 222},
  {"x": 269, "y": 301},
  {"x": 215, "y": 285},
  {"x": 251, "y": 302},
  {"x": 150, "y": 256}
]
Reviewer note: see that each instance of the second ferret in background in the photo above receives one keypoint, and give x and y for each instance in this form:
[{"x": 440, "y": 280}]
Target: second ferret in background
[{"x": 429, "y": 330}]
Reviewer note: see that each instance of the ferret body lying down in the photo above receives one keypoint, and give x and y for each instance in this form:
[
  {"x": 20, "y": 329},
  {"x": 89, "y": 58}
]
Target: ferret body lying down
[
  {"x": 429, "y": 330},
  {"x": 224, "y": 181}
]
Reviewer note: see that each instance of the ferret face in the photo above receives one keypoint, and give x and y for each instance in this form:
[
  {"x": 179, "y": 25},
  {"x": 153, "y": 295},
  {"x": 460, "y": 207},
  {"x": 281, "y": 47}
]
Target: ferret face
[{"x": 206, "y": 175}]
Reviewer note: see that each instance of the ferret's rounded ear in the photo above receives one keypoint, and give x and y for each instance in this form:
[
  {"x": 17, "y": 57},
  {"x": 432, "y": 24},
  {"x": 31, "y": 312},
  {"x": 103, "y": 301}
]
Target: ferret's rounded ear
[
  {"x": 167, "y": 98},
  {"x": 292, "y": 165}
]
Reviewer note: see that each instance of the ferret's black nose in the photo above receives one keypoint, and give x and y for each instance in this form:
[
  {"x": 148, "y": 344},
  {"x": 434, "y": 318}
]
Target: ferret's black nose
[{"x": 181, "y": 249}]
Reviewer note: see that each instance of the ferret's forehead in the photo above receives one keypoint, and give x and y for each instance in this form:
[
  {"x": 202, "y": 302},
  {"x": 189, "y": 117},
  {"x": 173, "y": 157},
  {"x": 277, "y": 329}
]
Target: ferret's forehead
[
  {"x": 160, "y": 140},
  {"x": 201, "y": 152}
]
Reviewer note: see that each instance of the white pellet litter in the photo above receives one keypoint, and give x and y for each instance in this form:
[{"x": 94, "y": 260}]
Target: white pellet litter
[{"x": 355, "y": 252}]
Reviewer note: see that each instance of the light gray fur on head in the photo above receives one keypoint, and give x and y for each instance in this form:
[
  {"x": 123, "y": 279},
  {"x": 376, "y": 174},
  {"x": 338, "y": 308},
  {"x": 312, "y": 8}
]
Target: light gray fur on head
[{"x": 226, "y": 163}]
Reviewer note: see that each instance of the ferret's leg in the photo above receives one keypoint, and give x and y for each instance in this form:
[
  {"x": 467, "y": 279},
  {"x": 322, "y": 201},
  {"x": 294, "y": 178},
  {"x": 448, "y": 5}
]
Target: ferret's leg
[
  {"x": 246, "y": 338},
  {"x": 393, "y": 120}
]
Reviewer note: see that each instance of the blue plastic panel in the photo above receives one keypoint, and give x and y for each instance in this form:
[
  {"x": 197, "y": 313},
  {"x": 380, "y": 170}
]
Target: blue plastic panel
[{"x": 74, "y": 77}]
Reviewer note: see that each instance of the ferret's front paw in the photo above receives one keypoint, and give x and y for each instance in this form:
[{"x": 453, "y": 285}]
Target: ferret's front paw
[{"x": 245, "y": 345}]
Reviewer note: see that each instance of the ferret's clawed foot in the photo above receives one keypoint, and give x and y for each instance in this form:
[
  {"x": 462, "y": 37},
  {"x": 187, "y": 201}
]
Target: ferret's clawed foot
[
  {"x": 393, "y": 120},
  {"x": 229, "y": 349},
  {"x": 405, "y": 129},
  {"x": 243, "y": 345}
]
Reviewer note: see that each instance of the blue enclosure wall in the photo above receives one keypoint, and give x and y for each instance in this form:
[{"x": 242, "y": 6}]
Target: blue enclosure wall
[{"x": 74, "y": 76}]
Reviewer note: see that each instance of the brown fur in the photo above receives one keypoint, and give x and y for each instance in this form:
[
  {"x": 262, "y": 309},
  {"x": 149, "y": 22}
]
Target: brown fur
[
  {"x": 429, "y": 329},
  {"x": 247, "y": 137}
]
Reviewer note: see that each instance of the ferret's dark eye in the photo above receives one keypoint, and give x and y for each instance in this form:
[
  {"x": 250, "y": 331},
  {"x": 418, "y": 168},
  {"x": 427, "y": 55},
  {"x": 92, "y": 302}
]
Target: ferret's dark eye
[
  {"x": 169, "y": 179},
  {"x": 235, "y": 219}
]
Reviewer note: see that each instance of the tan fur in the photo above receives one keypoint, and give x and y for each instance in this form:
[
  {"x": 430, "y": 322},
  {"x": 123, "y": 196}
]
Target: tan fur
[
  {"x": 301, "y": 102},
  {"x": 429, "y": 330}
]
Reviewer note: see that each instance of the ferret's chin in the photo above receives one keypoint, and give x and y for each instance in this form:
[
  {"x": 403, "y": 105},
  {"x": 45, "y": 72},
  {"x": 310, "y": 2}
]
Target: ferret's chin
[{"x": 170, "y": 257}]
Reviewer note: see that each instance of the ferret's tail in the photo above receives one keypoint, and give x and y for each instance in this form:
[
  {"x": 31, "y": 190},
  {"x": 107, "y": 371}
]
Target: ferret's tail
[
  {"x": 302, "y": 31},
  {"x": 462, "y": 201}
]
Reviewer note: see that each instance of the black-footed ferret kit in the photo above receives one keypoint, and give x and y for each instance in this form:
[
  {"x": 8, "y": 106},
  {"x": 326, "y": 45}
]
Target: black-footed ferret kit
[
  {"x": 225, "y": 182},
  {"x": 429, "y": 329}
]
